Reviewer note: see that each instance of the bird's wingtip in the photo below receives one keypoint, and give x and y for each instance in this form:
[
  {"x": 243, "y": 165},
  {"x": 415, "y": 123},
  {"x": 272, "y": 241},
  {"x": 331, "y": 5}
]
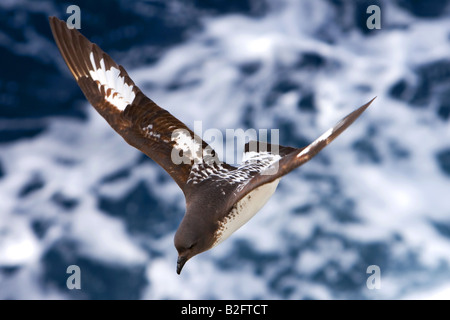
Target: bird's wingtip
[
  {"x": 363, "y": 107},
  {"x": 370, "y": 102}
]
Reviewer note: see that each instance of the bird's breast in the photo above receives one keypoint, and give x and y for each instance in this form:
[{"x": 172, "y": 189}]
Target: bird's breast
[{"x": 244, "y": 210}]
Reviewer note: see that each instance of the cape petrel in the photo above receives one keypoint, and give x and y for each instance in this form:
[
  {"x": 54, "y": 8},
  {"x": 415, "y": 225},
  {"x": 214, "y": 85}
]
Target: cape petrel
[{"x": 220, "y": 198}]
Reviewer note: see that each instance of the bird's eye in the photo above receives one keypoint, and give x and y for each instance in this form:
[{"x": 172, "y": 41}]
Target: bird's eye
[{"x": 191, "y": 246}]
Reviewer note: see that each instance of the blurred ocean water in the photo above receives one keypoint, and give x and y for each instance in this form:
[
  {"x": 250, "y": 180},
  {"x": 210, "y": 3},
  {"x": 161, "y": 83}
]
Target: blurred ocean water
[{"x": 72, "y": 192}]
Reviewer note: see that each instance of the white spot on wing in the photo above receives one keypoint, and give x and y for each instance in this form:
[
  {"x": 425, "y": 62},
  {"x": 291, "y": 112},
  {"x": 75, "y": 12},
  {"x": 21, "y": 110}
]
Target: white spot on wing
[
  {"x": 149, "y": 131},
  {"x": 120, "y": 93},
  {"x": 255, "y": 157},
  {"x": 323, "y": 137},
  {"x": 304, "y": 151},
  {"x": 190, "y": 146}
]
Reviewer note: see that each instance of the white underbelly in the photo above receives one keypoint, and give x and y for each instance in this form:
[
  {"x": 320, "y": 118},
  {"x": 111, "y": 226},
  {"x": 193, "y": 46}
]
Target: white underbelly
[{"x": 244, "y": 210}]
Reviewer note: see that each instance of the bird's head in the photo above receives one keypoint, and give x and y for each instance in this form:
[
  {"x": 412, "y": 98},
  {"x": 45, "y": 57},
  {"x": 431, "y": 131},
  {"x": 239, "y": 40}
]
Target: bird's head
[{"x": 194, "y": 236}]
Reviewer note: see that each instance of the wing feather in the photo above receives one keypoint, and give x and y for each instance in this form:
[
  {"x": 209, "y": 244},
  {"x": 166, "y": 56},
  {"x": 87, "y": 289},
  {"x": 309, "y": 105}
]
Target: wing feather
[
  {"x": 291, "y": 158},
  {"x": 110, "y": 90}
]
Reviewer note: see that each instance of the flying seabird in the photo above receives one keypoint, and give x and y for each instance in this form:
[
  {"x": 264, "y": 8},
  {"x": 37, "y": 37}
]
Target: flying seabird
[{"x": 220, "y": 198}]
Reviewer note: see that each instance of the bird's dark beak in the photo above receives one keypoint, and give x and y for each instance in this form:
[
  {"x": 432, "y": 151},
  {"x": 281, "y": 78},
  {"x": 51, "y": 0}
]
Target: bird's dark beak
[{"x": 180, "y": 263}]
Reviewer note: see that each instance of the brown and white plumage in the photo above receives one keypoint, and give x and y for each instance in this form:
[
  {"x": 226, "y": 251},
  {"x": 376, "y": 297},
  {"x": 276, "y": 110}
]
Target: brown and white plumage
[{"x": 219, "y": 197}]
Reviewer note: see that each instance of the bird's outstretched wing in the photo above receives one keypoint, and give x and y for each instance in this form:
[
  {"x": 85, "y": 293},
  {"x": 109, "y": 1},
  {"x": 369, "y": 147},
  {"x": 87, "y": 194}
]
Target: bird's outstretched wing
[
  {"x": 287, "y": 158},
  {"x": 141, "y": 122}
]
